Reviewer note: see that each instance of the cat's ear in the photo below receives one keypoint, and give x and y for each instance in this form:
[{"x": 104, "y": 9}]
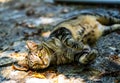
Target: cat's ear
[{"x": 31, "y": 45}]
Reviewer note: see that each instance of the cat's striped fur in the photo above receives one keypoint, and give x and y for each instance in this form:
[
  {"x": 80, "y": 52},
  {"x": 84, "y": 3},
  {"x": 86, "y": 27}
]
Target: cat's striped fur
[{"x": 72, "y": 40}]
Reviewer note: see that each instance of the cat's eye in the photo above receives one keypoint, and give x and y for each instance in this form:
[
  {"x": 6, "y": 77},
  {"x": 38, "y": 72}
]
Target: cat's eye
[{"x": 39, "y": 54}]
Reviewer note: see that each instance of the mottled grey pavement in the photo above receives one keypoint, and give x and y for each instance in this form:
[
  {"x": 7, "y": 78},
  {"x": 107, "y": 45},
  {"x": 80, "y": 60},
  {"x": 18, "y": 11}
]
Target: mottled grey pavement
[{"x": 33, "y": 20}]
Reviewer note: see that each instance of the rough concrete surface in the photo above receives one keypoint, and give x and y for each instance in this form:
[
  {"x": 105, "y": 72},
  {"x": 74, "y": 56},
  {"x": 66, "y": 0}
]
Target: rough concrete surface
[{"x": 33, "y": 20}]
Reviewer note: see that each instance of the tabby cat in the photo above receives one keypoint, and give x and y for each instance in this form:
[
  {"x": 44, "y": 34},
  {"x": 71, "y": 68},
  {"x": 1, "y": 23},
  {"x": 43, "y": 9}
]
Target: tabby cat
[{"x": 72, "y": 40}]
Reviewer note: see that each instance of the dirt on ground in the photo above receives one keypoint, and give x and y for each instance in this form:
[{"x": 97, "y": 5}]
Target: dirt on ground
[{"x": 22, "y": 20}]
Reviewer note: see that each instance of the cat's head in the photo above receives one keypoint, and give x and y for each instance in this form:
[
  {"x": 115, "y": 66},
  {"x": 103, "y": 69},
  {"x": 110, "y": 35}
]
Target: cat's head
[{"x": 38, "y": 56}]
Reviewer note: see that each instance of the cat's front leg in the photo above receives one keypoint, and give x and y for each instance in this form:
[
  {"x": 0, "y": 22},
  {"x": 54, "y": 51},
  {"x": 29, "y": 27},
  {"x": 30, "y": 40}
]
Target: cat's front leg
[{"x": 86, "y": 56}]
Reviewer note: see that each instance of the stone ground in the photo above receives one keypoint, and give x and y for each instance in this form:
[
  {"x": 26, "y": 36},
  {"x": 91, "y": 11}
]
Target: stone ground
[{"x": 33, "y": 20}]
